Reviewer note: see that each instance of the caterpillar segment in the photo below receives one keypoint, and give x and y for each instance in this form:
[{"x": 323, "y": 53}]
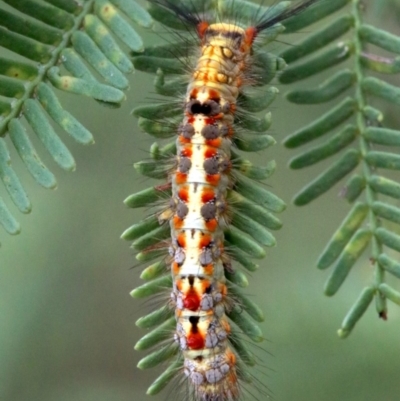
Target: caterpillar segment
[{"x": 216, "y": 215}]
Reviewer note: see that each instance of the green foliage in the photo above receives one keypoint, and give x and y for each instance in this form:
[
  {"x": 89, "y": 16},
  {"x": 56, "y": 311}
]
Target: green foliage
[
  {"x": 53, "y": 39},
  {"x": 351, "y": 91}
]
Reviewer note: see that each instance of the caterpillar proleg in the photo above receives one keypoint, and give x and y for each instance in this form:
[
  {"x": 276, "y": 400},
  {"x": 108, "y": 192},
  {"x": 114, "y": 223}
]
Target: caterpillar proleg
[{"x": 216, "y": 211}]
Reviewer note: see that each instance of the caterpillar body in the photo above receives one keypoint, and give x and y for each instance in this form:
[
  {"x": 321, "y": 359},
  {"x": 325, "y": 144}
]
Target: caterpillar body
[{"x": 216, "y": 214}]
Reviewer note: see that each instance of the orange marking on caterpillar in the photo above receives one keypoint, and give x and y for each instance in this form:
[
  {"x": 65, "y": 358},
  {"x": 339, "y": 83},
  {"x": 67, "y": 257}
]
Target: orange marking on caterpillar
[
  {"x": 231, "y": 356},
  {"x": 208, "y": 195},
  {"x": 202, "y": 27},
  {"x": 184, "y": 140},
  {"x": 213, "y": 179},
  {"x": 175, "y": 268},
  {"x": 210, "y": 152},
  {"x": 250, "y": 35},
  {"x": 180, "y": 178},
  {"x": 183, "y": 194},
  {"x": 212, "y": 225},
  {"x": 205, "y": 284},
  {"x": 181, "y": 240},
  {"x": 205, "y": 241},
  {"x": 216, "y": 143},
  {"x": 214, "y": 95},
  {"x": 179, "y": 285},
  {"x": 178, "y": 222},
  {"x": 208, "y": 269},
  {"x": 187, "y": 151}
]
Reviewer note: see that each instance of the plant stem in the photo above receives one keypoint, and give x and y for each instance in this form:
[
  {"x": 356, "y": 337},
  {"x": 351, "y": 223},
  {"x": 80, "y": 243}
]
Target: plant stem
[{"x": 365, "y": 147}]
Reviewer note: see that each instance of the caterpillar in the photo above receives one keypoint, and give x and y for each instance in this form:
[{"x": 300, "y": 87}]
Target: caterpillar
[{"x": 215, "y": 211}]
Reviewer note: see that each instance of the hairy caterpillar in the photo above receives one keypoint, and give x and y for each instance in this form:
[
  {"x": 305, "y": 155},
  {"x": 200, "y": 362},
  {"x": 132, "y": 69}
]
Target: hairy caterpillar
[{"x": 216, "y": 214}]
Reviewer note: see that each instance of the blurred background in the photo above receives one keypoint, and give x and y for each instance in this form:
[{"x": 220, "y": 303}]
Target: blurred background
[{"x": 66, "y": 318}]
